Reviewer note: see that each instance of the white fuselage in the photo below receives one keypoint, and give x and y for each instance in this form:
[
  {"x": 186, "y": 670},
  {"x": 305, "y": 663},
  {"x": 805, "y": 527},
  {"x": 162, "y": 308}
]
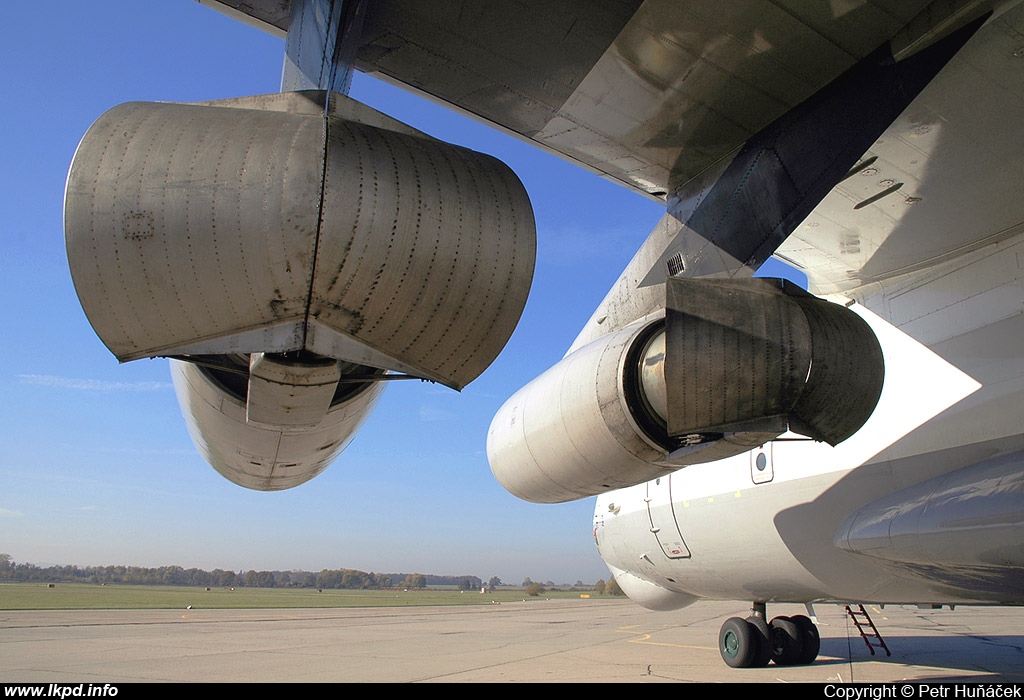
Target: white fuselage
[{"x": 925, "y": 504}]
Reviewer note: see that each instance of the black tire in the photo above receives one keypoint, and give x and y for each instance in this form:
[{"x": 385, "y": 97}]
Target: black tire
[
  {"x": 762, "y": 634},
  {"x": 787, "y": 641},
  {"x": 810, "y": 637},
  {"x": 737, "y": 643}
]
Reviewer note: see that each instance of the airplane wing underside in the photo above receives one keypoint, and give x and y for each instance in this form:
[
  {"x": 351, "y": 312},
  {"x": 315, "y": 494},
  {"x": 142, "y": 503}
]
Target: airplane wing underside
[
  {"x": 654, "y": 94},
  {"x": 876, "y": 145}
]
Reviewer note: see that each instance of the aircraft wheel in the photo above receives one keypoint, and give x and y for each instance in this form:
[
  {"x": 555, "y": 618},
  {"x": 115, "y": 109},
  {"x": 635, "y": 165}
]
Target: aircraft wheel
[
  {"x": 762, "y": 634},
  {"x": 737, "y": 643},
  {"x": 810, "y": 638},
  {"x": 787, "y": 641}
]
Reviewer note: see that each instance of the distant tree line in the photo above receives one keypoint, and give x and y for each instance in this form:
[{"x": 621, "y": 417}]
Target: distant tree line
[
  {"x": 535, "y": 588},
  {"x": 221, "y": 578}
]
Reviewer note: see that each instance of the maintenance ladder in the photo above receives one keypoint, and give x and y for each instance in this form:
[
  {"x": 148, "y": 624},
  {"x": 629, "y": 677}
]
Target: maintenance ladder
[{"x": 867, "y": 629}]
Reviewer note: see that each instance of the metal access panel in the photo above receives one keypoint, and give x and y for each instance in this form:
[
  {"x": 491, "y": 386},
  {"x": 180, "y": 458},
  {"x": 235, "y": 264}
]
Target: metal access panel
[{"x": 664, "y": 527}]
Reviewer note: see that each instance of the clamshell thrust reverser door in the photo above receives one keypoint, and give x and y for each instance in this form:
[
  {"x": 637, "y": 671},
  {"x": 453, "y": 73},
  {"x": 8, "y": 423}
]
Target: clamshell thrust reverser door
[
  {"x": 763, "y": 356},
  {"x": 267, "y": 225}
]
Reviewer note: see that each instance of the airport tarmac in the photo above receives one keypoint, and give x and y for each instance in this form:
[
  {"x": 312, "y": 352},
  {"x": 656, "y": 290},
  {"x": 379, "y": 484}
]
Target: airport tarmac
[{"x": 533, "y": 641}]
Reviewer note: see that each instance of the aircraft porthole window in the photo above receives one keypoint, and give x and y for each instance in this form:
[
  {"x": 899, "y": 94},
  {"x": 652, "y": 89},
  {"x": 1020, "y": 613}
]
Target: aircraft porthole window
[{"x": 761, "y": 462}]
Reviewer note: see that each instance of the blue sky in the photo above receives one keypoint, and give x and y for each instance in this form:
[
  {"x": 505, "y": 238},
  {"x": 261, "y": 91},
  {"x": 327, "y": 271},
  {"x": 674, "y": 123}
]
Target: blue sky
[{"x": 96, "y": 466}]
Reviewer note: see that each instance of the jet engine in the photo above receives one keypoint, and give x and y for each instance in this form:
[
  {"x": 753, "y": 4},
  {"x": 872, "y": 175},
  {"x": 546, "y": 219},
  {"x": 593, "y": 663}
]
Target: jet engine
[
  {"x": 730, "y": 365},
  {"x": 277, "y": 448},
  {"x": 295, "y": 249}
]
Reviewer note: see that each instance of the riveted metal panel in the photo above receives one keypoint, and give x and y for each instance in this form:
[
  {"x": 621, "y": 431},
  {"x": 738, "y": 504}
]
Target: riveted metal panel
[
  {"x": 846, "y": 374},
  {"x": 736, "y": 356},
  {"x": 262, "y": 225},
  {"x": 425, "y": 258},
  {"x": 760, "y": 355},
  {"x": 191, "y": 228}
]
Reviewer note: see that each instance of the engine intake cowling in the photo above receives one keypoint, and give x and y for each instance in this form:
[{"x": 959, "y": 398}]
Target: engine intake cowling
[
  {"x": 571, "y": 432},
  {"x": 732, "y": 365}
]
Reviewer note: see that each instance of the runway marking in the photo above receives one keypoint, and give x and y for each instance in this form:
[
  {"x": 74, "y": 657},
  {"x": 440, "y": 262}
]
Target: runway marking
[
  {"x": 669, "y": 644},
  {"x": 646, "y": 636}
]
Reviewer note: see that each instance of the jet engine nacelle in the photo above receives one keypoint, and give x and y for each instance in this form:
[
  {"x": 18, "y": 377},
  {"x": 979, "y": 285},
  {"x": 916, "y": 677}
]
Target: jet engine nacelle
[
  {"x": 263, "y": 225},
  {"x": 267, "y": 456},
  {"x": 571, "y": 432},
  {"x": 732, "y": 364},
  {"x": 292, "y": 248}
]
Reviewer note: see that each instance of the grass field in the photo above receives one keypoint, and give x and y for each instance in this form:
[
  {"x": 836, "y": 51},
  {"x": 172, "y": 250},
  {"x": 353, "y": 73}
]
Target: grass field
[{"x": 78, "y": 596}]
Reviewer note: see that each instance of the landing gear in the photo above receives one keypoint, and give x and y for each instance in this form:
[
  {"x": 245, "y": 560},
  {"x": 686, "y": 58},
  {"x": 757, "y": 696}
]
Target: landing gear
[
  {"x": 763, "y": 634},
  {"x": 811, "y": 639},
  {"x": 753, "y": 642},
  {"x": 787, "y": 641},
  {"x": 737, "y": 643}
]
